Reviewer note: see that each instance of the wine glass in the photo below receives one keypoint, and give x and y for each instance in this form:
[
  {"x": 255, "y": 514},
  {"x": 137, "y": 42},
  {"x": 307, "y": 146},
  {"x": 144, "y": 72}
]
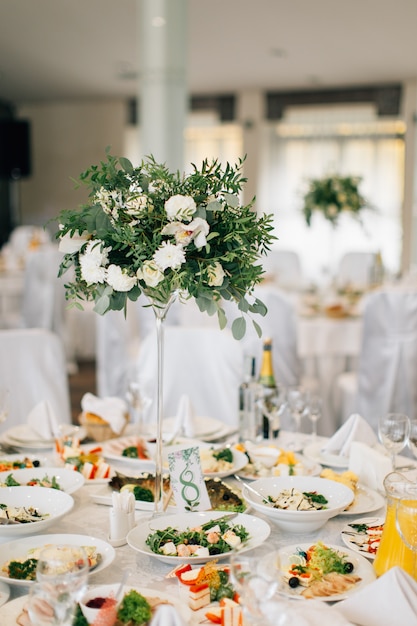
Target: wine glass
[
  {"x": 412, "y": 437},
  {"x": 139, "y": 404},
  {"x": 393, "y": 432},
  {"x": 406, "y": 522},
  {"x": 256, "y": 576},
  {"x": 272, "y": 405},
  {"x": 297, "y": 405},
  {"x": 61, "y": 579},
  {"x": 314, "y": 412},
  {"x": 4, "y": 404}
]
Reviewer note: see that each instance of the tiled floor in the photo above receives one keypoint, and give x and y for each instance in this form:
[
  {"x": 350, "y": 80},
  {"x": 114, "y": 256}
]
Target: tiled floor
[{"x": 81, "y": 382}]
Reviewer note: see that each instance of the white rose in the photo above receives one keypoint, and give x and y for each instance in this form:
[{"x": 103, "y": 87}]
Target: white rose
[
  {"x": 91, "y": 271},
  {"x": 169, "y": 255},
  {"x": 96, "y": 251},
  {"x": 184, "y": 233},
  {"x": 216, "y": 275},
  {"x": 69, "y": 244},
  {"x": 119, "y": 279},
  {"x": 150, "y": 274},
  {"x": 180, "y": 208}
]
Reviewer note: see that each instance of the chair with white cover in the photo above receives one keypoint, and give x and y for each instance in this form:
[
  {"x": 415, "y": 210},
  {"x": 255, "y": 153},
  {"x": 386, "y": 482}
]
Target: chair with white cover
[
  {"x": 33, "y": 370},
  {"x": 387, "y": 369},
  {"x": 44, "y": 304},
  {"x": 283, "y": 267},
  {"x": 355, "y": 269},
  {"x": 279, "y": 324},
  {"x": 206, "y": 364}
]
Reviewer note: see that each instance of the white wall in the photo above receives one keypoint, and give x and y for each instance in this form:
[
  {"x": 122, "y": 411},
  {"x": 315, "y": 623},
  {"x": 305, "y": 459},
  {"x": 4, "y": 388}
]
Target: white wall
[{"x": 66, "y": 138}]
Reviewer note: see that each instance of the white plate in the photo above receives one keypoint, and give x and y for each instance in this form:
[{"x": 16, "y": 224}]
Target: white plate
[
  {"x": 24, "y": 437},
  {"x": 103, "y": 495},
  {"x": 69, "y": 480},
  {"x": 202, "y": 426},
  {"x": 313, "y": 451},
  {"x": 239, "y": 461},
  {"x": 366, "y": 501},
  {"x": 39, "y": 445},
  {"x": 359, "y": 541},
  {"x": 222, "y": 433},
  {"x": 362, "y": 568},
  {"x": 258, "y": 529},
  {"x": 308, "y": 468},
  {"x": 112, "y": 451},
  {"x": 11, "y": 611},
  {"x": 19, "y": 548},
  {"x": 4, "y": 593}
]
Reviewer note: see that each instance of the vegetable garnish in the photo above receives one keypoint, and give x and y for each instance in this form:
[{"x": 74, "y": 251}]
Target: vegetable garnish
[{"x": 217, "y": 536}]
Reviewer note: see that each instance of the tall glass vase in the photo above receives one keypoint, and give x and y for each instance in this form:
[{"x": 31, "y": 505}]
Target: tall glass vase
[{"x": 160, "y": 310}]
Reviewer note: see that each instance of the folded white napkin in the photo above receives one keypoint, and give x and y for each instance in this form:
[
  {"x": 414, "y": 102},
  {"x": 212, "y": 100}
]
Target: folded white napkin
[
  {"x": 391, "y": 599},
  {"x": 370, "y": 465},
  {"x": 43, "y": 421},
  {"x": 185, "y": 417},
  {"x": 111, "y": 409},
  {"x": 356, "y": 428},
  {"x": 311, "y": 613},
  {"x": 122, "y": 515},
  {"x": 166, "y": 615}
]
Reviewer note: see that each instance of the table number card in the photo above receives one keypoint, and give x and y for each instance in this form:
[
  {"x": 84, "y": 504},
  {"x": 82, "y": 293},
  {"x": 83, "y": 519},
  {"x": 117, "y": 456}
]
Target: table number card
[{"x": 187, "y": 480}]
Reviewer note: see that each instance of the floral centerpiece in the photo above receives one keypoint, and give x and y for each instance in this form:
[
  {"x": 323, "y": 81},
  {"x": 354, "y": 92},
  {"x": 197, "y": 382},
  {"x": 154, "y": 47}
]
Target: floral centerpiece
[
  {"x": 332, "y": 196},
  {"x": 148, "y": 230}
]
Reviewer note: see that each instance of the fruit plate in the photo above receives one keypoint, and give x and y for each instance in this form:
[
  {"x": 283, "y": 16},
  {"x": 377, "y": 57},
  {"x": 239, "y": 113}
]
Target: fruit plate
[
  {"x": 258, "y": 530},
  {"x": 361, "y": 567}
]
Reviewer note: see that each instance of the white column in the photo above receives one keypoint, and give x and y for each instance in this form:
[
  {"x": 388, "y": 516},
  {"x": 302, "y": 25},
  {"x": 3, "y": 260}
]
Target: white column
[
  {"x": 162, "y": 97},
  {"x": 409, "y": 248},
  {"x": 250, "y": 114}
]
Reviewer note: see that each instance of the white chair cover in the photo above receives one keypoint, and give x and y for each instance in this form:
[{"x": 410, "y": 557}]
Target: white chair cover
[
  {"x": 280, "y": 324},
  {"x": 205, "y": 364},
  {"x": 33, "y": 369},
  {"x": 44, "y": 304},
  {"x": 355, "y": 269},
  {"x": 24, "y": 238},
  {"x": 284, "y": 268},
  {"x": 387, "y": 370}
]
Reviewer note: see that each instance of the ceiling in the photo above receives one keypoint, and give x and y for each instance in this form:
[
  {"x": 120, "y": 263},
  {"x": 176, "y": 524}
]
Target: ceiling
[{"x": 72, "y": 49}]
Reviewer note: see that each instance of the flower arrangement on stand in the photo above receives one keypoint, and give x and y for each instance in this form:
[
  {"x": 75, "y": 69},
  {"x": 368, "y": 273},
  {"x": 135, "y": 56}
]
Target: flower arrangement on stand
[
  {"x": 147, "y": 230},
  {"x": 332, "y": 196}
]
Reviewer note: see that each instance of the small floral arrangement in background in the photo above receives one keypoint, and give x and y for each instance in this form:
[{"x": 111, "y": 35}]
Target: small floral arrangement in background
[
  {"x": 148, "y": 230},
  {"x": 332, "y": 196}
]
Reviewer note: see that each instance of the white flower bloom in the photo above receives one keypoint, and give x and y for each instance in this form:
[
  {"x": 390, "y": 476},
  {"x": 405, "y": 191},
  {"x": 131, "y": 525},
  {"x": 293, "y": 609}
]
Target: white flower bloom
[
  {"x": 216, "y": 274},
  {"x": 169, "y": 255},
  {"x": 332, "y": 210},
  {"x": 91, "y": 271},
  {"x": 150, "y": 274},
  {"x": 119, "y": 279},
  {"x": 72, "y": 243},
  {"x": 180, "y": 208},
  {"x": 184, "y": 233},
  {"x": 136, "y": 205},
  {"x": 97, "y": 252},
  {"x": 104, "y": 199}
]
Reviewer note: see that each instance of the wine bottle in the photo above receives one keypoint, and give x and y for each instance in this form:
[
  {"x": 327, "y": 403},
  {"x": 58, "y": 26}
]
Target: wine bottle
[
  {"x": 270, "y": 422},
  {"x": 249, "y": 394}
]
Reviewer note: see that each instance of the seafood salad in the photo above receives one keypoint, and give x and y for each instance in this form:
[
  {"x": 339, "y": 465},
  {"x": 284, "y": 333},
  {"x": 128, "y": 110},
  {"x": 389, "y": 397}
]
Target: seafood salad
[{"x": 294, "y": 500}]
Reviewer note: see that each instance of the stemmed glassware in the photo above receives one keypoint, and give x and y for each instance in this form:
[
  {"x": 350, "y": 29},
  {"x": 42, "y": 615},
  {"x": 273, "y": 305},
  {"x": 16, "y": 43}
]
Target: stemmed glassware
[
  {"x": 314, "y": 412},
  {"x": 256, "y": 576},
  {"x": 4, "y": 404},
  {"x": 406, "y": 521},
  {"x": 297, "y": 405},
  {"x": 393, "y": 433},
  {"x": 412, "y": 437},
  {"x": 61, "y": 580}
]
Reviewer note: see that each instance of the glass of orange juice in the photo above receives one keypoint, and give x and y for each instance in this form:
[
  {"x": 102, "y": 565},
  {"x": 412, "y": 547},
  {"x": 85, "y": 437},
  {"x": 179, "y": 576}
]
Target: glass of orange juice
[{"x": 406, "y": 521}]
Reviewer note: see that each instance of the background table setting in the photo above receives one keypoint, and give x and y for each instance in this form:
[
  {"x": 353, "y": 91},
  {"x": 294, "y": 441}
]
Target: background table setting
[{"x": 117, "y": 524}]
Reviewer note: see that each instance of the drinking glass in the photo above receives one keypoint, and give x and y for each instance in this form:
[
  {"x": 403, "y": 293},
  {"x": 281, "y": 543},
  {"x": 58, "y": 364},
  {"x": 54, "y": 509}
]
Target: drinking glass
[
  {"x": 393, "y": 432},
  {"x": 297, "y": 405},
  {"x": 4, "y": 404},
  {"x": 412, "y": 437},
  {"x": 256, "y": 576},
  {"x": 406, "y": 521},
  {"x": 314, "y": 412},
  {"x": 61, "y": 580}
]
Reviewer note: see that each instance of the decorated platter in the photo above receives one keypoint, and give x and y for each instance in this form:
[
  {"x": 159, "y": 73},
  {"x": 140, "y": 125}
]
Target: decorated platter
[{"x": 363, "y": 535}]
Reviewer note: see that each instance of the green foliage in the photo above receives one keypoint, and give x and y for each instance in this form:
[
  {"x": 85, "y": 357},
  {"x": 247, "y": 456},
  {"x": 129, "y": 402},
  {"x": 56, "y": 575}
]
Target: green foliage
[
  {"x": 333, "y": 195},
  {"x": 126, "y": 224}
]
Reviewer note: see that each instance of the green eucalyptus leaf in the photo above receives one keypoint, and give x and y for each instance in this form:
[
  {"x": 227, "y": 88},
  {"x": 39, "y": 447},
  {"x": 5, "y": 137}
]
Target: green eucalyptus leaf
[
  {"x": 214, "y": 205},
  {"x": 126, "y": 165},
  {"x": 257, "y": 328},
  {"x": 221, "y": 316},
  {"x": 243, "y": 305},
  {"x": 231, "y": 200},
  {"x": 239, "y": 328},
  {"x": 102, "y": 304}
]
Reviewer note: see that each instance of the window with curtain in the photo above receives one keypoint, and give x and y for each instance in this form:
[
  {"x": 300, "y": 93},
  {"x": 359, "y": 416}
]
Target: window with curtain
[{"x": 311, "y": 142}]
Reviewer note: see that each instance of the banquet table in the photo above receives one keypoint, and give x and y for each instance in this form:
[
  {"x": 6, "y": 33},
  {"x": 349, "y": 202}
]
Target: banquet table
[
  {"x": 327, "y": 347},
  {"x": 88, "y": 517}
]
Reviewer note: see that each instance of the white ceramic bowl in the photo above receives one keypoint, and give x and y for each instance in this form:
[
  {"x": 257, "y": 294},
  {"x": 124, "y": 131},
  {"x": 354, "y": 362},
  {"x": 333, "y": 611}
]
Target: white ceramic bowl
[
  {"x": 339, "y": 497},
  {"x": 52, "y": 502},
  {"x": 68, "y": 480},
  {"x": 99, "y": 591}
]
